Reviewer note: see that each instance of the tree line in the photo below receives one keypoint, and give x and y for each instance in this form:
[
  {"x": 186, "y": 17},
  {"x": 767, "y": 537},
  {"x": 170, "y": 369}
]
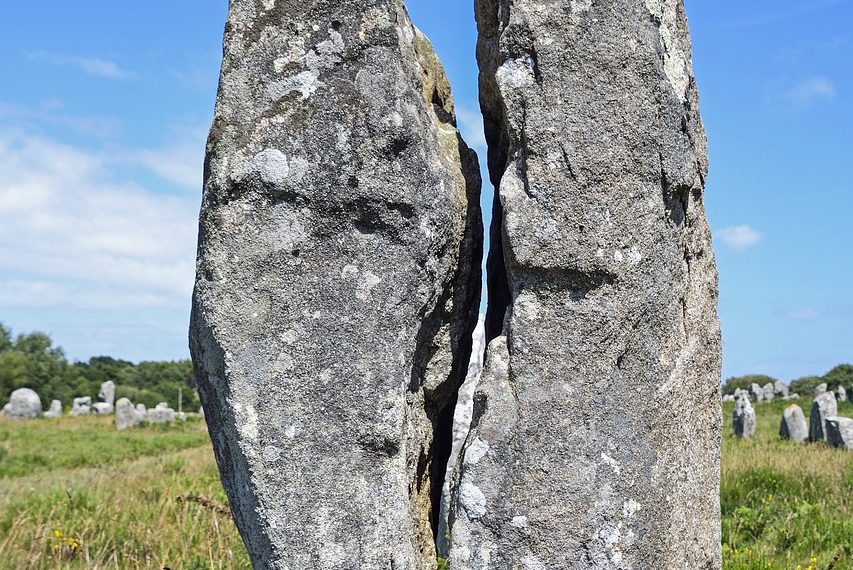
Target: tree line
[
  {"x": 31, "y": 360},
  {"x": 841, "y": 375}
]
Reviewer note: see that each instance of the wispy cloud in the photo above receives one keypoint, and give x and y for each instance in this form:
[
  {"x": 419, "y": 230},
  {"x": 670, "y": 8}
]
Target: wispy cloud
[
  {"x": 52, "y": 112},
  {"x": 179, "y": 161},
  {"x": 811, "y": 90},
  {"x": 739, "y": 238},
  {"x": 74, "y": 232},
  {"x": 96, "y": 66},
  {"x": 471, "y": 127},
  {"x": 804, "y": 314}
]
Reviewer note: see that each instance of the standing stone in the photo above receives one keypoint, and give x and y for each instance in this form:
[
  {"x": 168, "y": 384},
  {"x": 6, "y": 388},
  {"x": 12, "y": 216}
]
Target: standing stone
[
  {"x": 743, "y": 418},
  {"x": 780, "y": 388},
  {"x": 839, "y": 432},
  {"x": 55, "y": 410},
  {"x": 840, "y": 394},
  {"x": 769, "y": 391},
  {"x": 141, "y": 412},
  {"x": 729, "y": 398},
  {"x": 823, "y": 406},
  {"x": 103, "y": 408},
  {"x": 756, "y": 392},
  {"x": 596, "y": 436},
  {"x": 81, "y": 406},
  {"x": 338, "y": 283},
  {"x": 161, "y": 414},
  {"x": 737, "y": 393},
  {"x": 793, "y": 396},
  {"x": 820, "y": 389},
  {"x": 108, "y": 392},
  {"x": 24, "y": 404},
  {"x": 794, "y": 426},
  {"x": 127, "y": 415}
]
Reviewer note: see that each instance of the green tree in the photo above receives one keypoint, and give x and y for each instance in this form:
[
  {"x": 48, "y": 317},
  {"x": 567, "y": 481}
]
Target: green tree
[{"x": 841, "y": 375}]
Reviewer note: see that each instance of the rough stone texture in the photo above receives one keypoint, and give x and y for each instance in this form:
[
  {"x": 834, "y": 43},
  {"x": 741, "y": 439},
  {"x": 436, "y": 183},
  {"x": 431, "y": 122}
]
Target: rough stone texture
[
  {"x": 769, "y": 391},
  {"x": 23, "y": 404},
  {"x": 840, "y": 394},
  {"x": 127, "y": 416},
  {"x": 839, "y": 432},
  {"x": 821, "y": 389},
  {"x": 738, "y": 392},
  {"x": 108, "y": 392},
  {"x": 794, "y": 425},
  {"x": 597, "y": 425},
  {"x": 743, "y": 418},
  {"x": 54, "y": 411},
  {"x": 780, "y": 388},
  {"x": 337, "y": 284},
  {"x": 823, "y": 406},
  {"x": 461, "y": 426},
  {"x": 81, "y": 406}
]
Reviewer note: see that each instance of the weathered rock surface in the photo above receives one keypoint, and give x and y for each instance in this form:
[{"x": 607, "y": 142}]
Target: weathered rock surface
[
  {"x": 127, "y": 415},
  {"x": 769, "y": 391},
  {"x": 743, "y": 418},
  {"x": 820, "y": 389},
  {"x": 161, "y": 414},
  {"x": 54, "y": 411},
  {"x": 102, "y": 408},
  {"x": 24, "y": 404},
  {"x": 839, "y": 432},
  {"x": 794, "y": 425},
  {"x": 780, "y": 388},
  {"x": 81, "y": 406},
  {"x": 823, "y": 406},
  {"x": 840, "y": 394},
  {"x": 337, "y": 285},
  {"x": 597, "y": 424},
  {"x": 108, "y": 392}
]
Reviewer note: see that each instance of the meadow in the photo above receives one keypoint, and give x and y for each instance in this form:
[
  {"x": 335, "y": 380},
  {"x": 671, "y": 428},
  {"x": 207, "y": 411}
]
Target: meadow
[{"x": 75, "y": 494}]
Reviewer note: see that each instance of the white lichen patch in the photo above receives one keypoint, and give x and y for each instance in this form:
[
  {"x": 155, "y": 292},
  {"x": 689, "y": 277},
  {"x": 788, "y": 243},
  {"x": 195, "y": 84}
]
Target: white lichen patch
[
  {"x": 516, "y": 73},
  {"x": 612, "y": 463},
  {"x": 271, "y": 453},
  {"x": 676, "y": 62},
  {"x": 630, "y": 508},
  {"x": 472, "y": 499},
  {"x": 519, "y": 521},
  {"x": 476, "y": 451},
  {"x": 530, "y": 562},
  {"x": 580, "y": 6},
  {"x": 269, "y": 5},
  {"x": 368, "y": 282}
]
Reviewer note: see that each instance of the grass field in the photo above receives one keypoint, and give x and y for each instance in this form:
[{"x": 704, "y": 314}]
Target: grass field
[{"x": 74, "y": 494}]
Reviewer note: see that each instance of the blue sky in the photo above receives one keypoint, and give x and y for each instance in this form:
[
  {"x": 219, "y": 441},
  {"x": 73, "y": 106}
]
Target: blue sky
[{"x": 104, "y": 108}]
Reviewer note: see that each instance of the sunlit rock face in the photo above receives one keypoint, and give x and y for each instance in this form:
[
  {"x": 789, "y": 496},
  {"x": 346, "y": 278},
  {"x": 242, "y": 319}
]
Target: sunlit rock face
[
  {"x": 337, "y": 282},
  {"x": 596, "y": 435}
]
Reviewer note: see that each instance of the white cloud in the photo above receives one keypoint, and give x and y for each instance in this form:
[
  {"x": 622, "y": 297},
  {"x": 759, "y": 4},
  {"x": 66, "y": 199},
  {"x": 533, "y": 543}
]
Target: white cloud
[
  {"x": 92, "y": 65},
  {"x": 50, "y": 112},
  {"x": 812, "y": 90},
  {"x": 73, "y": 232},
  {"x": 179, "y": 161},
  {"x": 471, "y": 126},
  {"x": 739, "y": 238},
  {"x": 805, "y": 315}
]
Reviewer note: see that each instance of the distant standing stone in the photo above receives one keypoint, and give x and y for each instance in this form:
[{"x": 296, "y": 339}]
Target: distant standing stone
[
  {"x": 108, "y": 392},
  {"x": 824, "y": 406},
  {"x": 821, "y": 389},
  {"x": 840, "y": 394},
  {"x": 127, "y": 416},
  {"x": 793, "y": 396},
  {"x": 756, "y": 392},
  {"x": 23, "y": 404},
  {"x": 55, "y": 410},
  {"x": 839, "y": 432},
  {"x": 743, "y": 418},
  {"x": 81, "y": 406},
  {"x": 729, "y": 398},
  {"x": 161, "y": 414},
  {"x": 103, "y": 408},
  {"x": 780, "y": 388},
  {"x": 769, "y": 391},
  {"x": 794, "y": 426}
]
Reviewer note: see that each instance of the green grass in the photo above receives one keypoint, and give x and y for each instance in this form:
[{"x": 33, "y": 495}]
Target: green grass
[
  {"x": 785, "y": 505},
  {"x": 96, "y": 498},
  {"x": 75, "y": 494}
]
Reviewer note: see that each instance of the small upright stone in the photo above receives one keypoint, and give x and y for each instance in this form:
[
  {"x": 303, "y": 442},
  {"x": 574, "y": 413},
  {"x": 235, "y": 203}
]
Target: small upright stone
[
  {"x": 161, "y": 414},
  {"x": 839, "y": 432},
  {"x": 823, "y": 406},
  {"x": 820, "y": 389},
  {"x": 55, "y": 410},
  {"x": 107, "y": 393},
  {"x": 737, "y": 393},
  {"x": 743, "y": 418},
  {"x": 840, "y": 394},
  {"x": 24, "y": 404},
  {"x": 81, "y": 406},
  {"x": 127, "y": 415},
  {"x": 756, "y": 392},
  {"x": 780, "y": 389},
  {"x": 794, "y": 425},
  {"x": 769, "y": 391},
  {"x": 729, "y": 398}
]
